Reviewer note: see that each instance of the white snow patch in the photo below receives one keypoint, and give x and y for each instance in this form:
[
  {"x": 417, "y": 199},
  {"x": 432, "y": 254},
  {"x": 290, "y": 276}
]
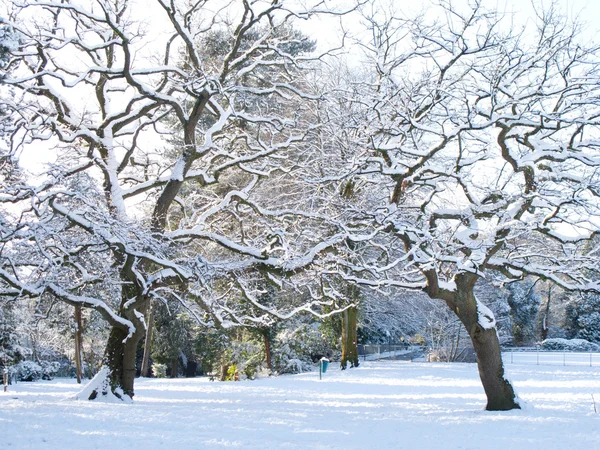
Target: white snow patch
[
  {"x": 485, "y": 316},
  {"x": 101, "y": 384},
  {"x": 447, "y": 285}
]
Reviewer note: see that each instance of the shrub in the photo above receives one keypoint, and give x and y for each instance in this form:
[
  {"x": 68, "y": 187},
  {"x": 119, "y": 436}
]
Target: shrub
[
  {"x": 299, "y": 348},
  {"x": 49, "y": 369},
  {"x": 573, "y": 345},
  {"x": 159, "y": 370},
  {"x": 287, "y": 360},
  {"x": 232, "y": 373},
  {"x": 28, "y": 371},
  {"x": 32, "y": 371},
  {"x": 244, "y": 360}
]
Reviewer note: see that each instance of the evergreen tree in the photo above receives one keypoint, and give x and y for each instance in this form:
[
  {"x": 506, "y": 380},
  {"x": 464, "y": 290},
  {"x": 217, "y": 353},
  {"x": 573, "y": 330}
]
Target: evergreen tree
[
  {"x": 583, "y": 318},
  {"x": 524, "y": 303},
  {"x": 173, "y": 339},
  {"x": 10, "y": 350}
]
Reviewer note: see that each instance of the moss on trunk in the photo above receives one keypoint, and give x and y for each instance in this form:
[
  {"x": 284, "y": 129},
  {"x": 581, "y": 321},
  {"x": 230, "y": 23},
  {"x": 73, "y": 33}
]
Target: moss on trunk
[{"x": 349, "y": 338}]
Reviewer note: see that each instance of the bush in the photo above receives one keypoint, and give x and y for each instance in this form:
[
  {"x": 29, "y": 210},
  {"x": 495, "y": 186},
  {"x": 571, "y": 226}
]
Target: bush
[
  {"x": 244, "y": 360},
  {"x": 32, "y": 371},
  {"x": 209, "y": 347},
  {"x": 286, "y": 360},
  {"x": 233, "y": 373},
  {"x": 572, "y": 345},
  {"x": 27, "y": 371},
  {"x": 49, "y": 369},
  {"x": 298, "y": 349},
  {"x": 159, "y": 370}
]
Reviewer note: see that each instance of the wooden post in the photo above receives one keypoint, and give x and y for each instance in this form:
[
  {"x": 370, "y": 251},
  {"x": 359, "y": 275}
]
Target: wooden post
[{"x": 5, "y": 379}]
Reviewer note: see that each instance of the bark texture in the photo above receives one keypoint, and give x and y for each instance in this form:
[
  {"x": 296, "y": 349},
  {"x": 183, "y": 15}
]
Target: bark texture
[
  {"x": 174, "y": 367},
  {"x": 121, "y": 348},
  {"x": 349, "y": 338},
  {"x": 498, "y": 390},
  {"x": 119, "y": 357},
  {"x": 267, "y": 339}
]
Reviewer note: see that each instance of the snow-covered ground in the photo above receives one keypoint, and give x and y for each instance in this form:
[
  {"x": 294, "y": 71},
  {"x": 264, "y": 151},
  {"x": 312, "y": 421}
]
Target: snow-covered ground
[{"x": 380, "y": 405}]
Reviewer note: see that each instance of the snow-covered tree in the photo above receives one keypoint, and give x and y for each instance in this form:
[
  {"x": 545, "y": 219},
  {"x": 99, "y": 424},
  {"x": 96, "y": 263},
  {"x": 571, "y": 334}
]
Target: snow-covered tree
[
  {"x": 98, "y": 84},
  {"x": 481, "y": 143},
  {"x": 9, "y": 41}
]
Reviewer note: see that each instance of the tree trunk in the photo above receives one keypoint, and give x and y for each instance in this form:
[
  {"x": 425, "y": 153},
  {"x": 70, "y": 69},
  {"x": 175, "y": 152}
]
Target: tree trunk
[
  {"x": 119, "y": 357},
  {"x": 546, "y": 315},
  {"x": 224, "y": 372},
  {"x": 91, "y": 364},
  {"x": 267, "y": 338},
  {"x": 349, "y": 338},
  {"x": 481, "y": 326},
  {"x": 146, "y": 372},
  {"x": 174, "y": 367},
  {"x": 116, "y": 361},
  {"x": 78, "y": 342},
  {"x": 190, "y": 369},
  {"x": 122, "y": 344}
]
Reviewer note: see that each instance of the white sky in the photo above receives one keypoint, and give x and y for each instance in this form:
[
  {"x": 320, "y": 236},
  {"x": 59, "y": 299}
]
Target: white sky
[{"x": 324, "y": 28}]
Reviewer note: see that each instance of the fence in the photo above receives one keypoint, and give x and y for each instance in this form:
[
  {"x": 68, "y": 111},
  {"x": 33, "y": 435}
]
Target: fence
[
  {"x": 375, "y": 352},
  {"x": 517, "y": 355},
  {"x": 536, "y": 355}
]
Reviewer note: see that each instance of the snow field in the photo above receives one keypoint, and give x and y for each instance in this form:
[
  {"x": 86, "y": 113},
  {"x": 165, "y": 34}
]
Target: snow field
[{"x": 380, "y": 405}]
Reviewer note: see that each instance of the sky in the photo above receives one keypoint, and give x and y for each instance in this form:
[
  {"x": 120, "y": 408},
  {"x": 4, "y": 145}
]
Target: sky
[{"x": 324, "y": 29}]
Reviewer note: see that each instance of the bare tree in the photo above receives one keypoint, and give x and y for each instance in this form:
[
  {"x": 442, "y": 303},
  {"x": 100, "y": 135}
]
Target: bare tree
[
  {"x": 479, "y": 144},
  {"x": 102, "y": 82}
]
